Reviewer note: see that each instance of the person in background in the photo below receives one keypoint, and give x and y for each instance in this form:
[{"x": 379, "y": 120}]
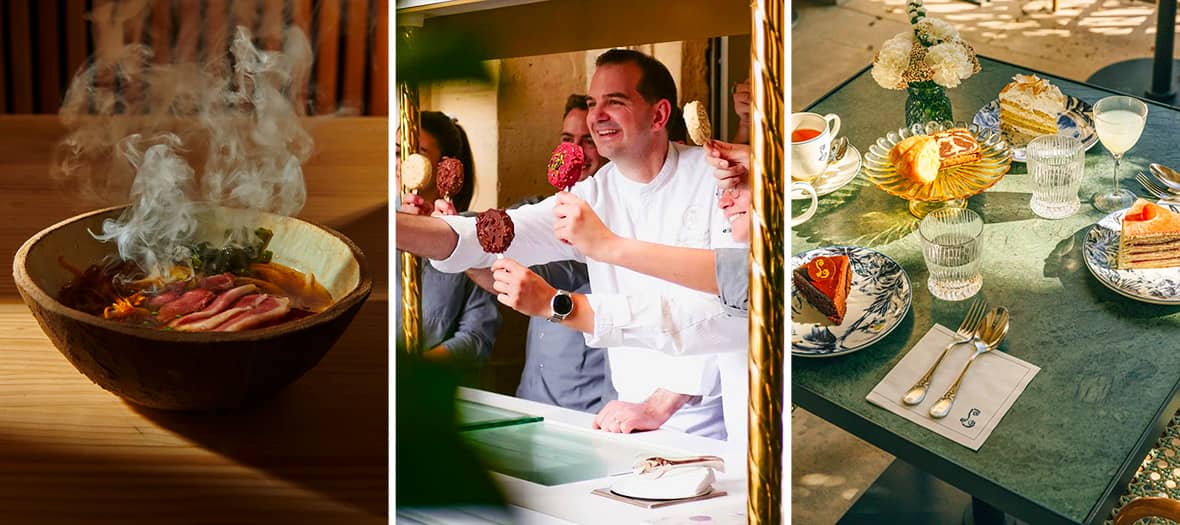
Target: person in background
[
  {"x": 559, "y": 368},
  {"x": 574, "y": 129},
  {"x": 741, "y": 106},
  {"x": 459, "y": 320}
]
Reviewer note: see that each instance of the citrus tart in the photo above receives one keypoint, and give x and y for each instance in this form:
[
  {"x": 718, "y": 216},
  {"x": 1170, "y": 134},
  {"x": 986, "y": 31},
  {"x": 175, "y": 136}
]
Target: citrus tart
[
  {"x": 824, "y": 282},
  {"x": 1150, "y": 237}
]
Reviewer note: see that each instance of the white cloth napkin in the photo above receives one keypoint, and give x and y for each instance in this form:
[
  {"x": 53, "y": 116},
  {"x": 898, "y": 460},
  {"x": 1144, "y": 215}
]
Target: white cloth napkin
[{"x": 991, "y": 387}]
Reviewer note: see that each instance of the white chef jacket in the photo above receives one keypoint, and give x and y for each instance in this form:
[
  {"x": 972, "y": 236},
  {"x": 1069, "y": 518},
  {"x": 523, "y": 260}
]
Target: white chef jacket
[
  {"x": 676, "y": 325},
  {"x": 678, "y": 207},
  {"x": 684, "y": 326}
]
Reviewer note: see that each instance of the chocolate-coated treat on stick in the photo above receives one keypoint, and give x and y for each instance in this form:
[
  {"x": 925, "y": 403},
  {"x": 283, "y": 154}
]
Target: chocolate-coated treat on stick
[
  {"x": 565, "y": 166},
  {"x": 416, "y": 172},
  {"x": 495, "y": 231},
  {"x": 449, "y": 177},
  {"x": 696, "y": 119}
]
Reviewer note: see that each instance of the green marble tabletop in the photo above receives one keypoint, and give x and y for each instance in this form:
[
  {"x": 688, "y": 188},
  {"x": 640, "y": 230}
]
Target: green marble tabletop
[{"x": 1110, "y": 366}]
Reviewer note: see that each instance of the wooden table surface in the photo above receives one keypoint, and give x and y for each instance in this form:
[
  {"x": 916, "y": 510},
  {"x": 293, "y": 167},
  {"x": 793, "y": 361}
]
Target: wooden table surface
[{"x": 71, "y": 452}]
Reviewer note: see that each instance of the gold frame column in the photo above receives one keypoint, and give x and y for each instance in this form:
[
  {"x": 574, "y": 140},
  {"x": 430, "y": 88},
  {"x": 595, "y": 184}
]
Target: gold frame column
[
  {"x": 767, "y": 321},
  {"x": 411, "y": 275}
]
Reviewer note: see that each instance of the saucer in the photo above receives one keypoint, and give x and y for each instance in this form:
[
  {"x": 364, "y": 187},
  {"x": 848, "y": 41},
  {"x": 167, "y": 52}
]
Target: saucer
[{"x": 836, "y": 176}]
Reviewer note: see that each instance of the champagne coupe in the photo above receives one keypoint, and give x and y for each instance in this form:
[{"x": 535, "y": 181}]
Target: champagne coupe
[{"x": 1119, "y": 122}]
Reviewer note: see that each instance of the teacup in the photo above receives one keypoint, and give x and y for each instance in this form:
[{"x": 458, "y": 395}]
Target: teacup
[
  {"x": 811, "y": 144},
  {"x": 811, "y": 208}
]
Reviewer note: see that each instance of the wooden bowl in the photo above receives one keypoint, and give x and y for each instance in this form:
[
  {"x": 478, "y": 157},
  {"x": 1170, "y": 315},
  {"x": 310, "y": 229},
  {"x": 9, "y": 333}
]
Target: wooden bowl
[{"x": 193, "y": 371}]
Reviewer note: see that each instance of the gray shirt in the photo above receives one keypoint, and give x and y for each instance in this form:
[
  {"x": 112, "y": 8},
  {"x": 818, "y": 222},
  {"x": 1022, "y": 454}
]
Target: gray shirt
[
  {"x": 733, "y": 279},
  {"x": 456, "y": 314},
  {"x": 559, "y": 368}
]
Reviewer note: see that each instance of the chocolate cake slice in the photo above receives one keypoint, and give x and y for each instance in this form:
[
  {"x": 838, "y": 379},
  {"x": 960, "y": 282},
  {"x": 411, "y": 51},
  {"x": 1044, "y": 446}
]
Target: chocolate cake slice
[{"x": 825, "y": 282}]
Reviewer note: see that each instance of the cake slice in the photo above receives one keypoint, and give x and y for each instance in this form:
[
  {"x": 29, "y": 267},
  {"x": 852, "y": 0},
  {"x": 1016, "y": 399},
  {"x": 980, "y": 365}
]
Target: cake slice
[
  {"x": 957, "y": 146},
  {"x": 1029, "y": 107},
  {"x": 1150, "y": 237},
  {"x": 825, "y": 282}
]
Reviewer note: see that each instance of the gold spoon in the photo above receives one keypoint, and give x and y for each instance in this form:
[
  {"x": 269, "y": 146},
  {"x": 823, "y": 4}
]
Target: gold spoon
[{"x": 991, "y": 332}]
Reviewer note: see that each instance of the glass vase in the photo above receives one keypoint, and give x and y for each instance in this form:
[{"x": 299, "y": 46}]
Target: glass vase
[{"x": 927, "y": 101}]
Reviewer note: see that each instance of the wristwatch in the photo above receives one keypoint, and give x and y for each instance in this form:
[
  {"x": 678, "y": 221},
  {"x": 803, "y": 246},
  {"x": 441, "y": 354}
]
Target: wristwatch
[{"x": 560, "y": 306}]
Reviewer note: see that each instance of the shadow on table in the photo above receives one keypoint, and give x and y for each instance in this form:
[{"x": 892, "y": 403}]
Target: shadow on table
[
  {"x": 327, "y": 432},
  {"x": 885, "y": 219},
  {"x": 1002, "y": 206}
]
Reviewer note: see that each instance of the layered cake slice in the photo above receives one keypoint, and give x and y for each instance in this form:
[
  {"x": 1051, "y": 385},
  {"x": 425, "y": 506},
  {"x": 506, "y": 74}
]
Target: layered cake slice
[
  {"x": 825, "y": 282},
  {"x": 1150, "y": 238},
  {"x": 1029, "y": 107}
]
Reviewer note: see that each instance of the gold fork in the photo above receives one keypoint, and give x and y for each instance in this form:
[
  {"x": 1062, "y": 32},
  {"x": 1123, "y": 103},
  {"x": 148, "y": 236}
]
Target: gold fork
[{"x": 965, "y": 333}]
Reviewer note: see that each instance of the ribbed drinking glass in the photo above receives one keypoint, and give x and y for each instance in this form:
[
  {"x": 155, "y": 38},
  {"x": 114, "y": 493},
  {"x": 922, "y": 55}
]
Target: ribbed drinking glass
[
  {"x": 951, "y": 248},
  {"x": 1056, "y": 164}
]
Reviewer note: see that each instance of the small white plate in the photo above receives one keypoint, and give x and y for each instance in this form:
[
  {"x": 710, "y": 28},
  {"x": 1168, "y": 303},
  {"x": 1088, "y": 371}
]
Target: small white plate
[
  {"x": 836, "y": 176},
  {"x": 878, "y": 300},
  {"x": 1076, "y": 121},
  {"x": 681, "y": 483},
  {"x": 1150, "y": 285}
]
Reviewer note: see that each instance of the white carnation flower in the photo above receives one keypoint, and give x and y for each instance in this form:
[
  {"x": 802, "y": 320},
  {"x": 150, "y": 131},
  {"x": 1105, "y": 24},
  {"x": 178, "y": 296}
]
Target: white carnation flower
[
  {"x": 887, "y": 75},
  {"x": 950, "y": 63},
  {"x": 891, "y": 63},
  {"x": 895, "y": 50},
  {"x": 938, "y": 30}
]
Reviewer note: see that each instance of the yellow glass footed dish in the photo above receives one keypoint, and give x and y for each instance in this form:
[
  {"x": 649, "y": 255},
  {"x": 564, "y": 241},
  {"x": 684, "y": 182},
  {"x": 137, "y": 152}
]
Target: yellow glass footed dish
[{"x": 953, "y": 185}]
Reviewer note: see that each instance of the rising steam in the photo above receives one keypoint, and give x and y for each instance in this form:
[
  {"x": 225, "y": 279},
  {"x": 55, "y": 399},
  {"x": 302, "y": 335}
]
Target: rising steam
[{"x": 172, "y": 138}]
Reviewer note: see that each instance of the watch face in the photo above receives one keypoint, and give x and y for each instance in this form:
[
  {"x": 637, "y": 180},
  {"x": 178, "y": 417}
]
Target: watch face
[{"x": 562, "y": 304}]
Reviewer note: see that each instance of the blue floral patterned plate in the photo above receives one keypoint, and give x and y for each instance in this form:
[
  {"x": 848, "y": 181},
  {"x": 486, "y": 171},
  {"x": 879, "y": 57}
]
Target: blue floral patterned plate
[
  {"x": 1076, "y": 121},
  {"x": 877, "y": 302},
  {"x": 1150, "y": 285}
]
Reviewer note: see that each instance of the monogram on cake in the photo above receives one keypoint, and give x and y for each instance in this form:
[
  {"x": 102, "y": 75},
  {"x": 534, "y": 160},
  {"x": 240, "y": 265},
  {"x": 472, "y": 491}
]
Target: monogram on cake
[{"x": 825, "y": 282}]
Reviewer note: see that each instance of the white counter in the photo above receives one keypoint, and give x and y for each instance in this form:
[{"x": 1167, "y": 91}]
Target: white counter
[{"x": 574, "y": 503}]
